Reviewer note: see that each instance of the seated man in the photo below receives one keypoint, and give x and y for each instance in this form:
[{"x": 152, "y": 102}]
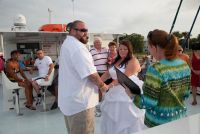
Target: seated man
[
  {"x": 12, "y": 69},
  {"x": 45, "y": 66}
]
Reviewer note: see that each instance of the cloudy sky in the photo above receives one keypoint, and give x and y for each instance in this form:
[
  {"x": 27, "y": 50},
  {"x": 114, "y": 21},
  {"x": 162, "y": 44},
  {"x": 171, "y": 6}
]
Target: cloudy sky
[{"x": 108, "y": 16}]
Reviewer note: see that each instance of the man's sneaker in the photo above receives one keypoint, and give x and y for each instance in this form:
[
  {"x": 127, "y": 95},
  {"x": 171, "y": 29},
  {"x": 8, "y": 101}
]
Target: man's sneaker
[
  {"x": 98, "y": 111},
  {"x": 97, "y": 114},
  {"x": 30, "y": 107},
  {"x": 39, "y": 100}
]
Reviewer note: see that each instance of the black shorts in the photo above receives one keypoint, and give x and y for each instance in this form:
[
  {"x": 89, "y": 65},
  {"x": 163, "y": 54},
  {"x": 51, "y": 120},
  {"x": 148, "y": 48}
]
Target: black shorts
[{"x": 108, "y": 81}]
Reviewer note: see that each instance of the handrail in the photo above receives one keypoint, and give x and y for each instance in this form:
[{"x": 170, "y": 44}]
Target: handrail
[
  {"x": 175, "y": 16},
  {"x": 188, "y": 35}
]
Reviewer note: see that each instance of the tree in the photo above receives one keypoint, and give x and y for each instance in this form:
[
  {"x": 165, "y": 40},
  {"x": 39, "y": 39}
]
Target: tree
[
  {"x": 136, "y": 40},
  {"x": 198, "y": 37},
  {"x": 181, "y": 38},
  {"x": 178, "y": 34},
  {"x": 192, "y": 41}
]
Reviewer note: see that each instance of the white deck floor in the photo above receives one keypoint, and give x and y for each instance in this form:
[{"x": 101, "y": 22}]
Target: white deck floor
[{"x": 51, "y": 122}]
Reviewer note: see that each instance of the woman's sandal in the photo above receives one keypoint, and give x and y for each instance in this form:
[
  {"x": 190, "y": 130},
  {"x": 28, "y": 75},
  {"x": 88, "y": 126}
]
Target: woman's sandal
[
  {"x": 194, "y": 103},
  {"x": 25, "y": 102},
  {"x": 30, "y": 107}
]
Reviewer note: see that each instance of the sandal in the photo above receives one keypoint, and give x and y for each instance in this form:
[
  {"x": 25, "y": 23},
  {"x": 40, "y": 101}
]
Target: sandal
[
  {"x": 30, "y": 107},
  {"x": 194, "y": 103}
]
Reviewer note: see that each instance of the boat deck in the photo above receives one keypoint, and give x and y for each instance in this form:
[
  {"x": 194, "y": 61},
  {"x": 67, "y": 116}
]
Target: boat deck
[{"x": 51, "y": 122}]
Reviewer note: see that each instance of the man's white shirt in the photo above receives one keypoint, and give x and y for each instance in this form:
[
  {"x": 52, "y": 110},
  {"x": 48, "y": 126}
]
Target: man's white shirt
[
  {"x": 43, "y": 65},
  {"x": 76, "y": 92}
]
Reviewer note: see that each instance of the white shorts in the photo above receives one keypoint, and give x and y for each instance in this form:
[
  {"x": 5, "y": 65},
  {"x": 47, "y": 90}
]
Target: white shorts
[{"x": 39, "y": 80}]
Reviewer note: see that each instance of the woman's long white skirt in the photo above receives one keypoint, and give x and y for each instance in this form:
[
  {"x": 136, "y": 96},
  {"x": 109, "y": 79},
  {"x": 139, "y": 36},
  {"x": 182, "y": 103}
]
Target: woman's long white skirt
[{"x": 119, "y": 114}]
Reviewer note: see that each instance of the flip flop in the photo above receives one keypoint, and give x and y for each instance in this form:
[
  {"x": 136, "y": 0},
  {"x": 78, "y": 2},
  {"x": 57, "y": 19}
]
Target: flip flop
[
  {"x": 30, "y": 107},
  {"x": 194, "y": 103}
]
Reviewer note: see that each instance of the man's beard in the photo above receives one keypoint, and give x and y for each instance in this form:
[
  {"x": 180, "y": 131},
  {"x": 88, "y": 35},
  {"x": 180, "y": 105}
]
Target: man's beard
[{"x": 84, "y": 40}]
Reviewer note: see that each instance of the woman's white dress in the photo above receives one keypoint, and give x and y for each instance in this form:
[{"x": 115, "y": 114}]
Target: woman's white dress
[{"x": 119, "y": 114}]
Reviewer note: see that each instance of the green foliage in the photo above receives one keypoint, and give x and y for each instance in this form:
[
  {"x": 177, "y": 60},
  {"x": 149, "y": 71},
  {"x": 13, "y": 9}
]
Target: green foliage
[
  {"x": 136, "y": 40},
  {"x": 198, "y": 38},
  {"x": 178, "y": 34},
  {"x": 181, "y": 37}
]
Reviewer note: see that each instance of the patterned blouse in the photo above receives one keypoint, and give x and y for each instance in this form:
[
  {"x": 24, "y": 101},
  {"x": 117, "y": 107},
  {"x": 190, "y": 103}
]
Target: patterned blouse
[{"x": 166, "y": 86}]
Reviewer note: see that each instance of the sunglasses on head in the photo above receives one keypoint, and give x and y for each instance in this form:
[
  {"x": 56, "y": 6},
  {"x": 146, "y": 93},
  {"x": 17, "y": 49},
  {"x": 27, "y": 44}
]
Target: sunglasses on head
[
  {"x": 149, "y": 36},
  {"x": 81, "y": 30}
]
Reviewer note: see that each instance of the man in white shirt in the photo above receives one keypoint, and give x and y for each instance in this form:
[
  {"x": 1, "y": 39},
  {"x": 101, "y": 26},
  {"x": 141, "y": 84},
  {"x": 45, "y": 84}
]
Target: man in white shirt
[
  {"x": 45, "y": 66},
  {"x": 78, "y": 82}
]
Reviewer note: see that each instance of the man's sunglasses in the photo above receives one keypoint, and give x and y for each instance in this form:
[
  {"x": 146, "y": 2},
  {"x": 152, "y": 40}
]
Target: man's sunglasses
[{"x": 81, "y": 30}]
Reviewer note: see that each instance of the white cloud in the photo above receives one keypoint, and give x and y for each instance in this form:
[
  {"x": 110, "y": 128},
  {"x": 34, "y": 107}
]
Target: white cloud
[{"x": 112, "y": 16}]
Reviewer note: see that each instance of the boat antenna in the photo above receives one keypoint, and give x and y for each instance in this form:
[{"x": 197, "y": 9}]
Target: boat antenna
[
  {"x": 49, "y": 10},
  {"x": 175, "y": 16},
  {"x": 188, "y": 35},
  {"x": 73, "y": 8}
]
